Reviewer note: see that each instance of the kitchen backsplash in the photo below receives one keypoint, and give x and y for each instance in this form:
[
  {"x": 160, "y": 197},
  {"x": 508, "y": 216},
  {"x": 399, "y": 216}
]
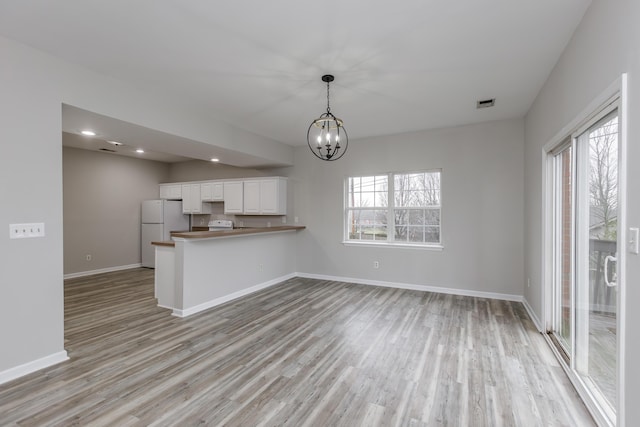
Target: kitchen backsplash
[{"x": 217, "y": 212}]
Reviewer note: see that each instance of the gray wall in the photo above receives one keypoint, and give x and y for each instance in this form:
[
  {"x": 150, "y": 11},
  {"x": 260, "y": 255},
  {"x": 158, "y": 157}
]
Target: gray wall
[
  {"x": 603, "y": 47},
  {"x": 482, "y": 212},
  {"x": 102, "y": 196},
  {"x": 199, "y": 170}
]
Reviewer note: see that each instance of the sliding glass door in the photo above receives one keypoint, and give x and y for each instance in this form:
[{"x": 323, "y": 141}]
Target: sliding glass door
[{"x": 585, "y": 250}]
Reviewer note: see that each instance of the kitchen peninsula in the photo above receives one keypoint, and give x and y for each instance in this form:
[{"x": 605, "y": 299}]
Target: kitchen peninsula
[{"x": 201, "y": 269}]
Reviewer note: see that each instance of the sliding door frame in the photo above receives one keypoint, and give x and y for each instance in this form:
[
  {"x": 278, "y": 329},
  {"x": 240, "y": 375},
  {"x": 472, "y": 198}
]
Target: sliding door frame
[{"x": 616, "y": 93}]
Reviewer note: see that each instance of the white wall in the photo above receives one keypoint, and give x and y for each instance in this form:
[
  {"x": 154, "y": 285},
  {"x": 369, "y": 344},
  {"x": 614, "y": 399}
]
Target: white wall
[
  {"x": 33, "y": 87},
  {"x": 482, "y": 212},
  {"x": 603, "y": 47}
]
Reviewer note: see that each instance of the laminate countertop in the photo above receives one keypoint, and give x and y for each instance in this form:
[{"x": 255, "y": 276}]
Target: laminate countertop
[{"x": 227, "y": 233}]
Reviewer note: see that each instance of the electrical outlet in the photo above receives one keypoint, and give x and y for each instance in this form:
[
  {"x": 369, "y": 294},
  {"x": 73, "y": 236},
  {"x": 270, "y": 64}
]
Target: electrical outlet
[
  {"x": 88, "y": 257},
  {"x": 376, "y": 264},
  {"x": 295, "y": 219},
  {"x": 528, "y": 282},
  {"x": 268, "y": 223},
  {"x": 260, "y": 267},
  {"x": 284, "y": 219}
]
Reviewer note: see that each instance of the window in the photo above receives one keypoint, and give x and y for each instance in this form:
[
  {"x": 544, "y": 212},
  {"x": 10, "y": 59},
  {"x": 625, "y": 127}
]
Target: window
[{"x": 396, "y": 208}]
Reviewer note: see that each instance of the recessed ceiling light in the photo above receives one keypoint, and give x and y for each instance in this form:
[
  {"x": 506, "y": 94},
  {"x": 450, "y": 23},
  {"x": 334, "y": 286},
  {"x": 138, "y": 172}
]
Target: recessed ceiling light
[
  {"x": 215, "y": 159},
  {"x": 140, "y": 150},
  {"x": 116, "y": 143},
  {"x": 88, "y": 133}
]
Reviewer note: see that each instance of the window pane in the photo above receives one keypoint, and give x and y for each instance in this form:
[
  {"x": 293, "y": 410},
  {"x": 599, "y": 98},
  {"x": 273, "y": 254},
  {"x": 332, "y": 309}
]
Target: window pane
[
  {"x": 417, "y": 190},
  {"x": 416, "y": 217},
  {"x": 415, "y": 234},
  {"x": 354, "y": 200},
  {"x": 401, "y": 216},
  {"x": 367, "y": 191},
  {"x": 432, "y": 217},
  {"x": 368, "y": 199},
  {"x": 432, "y": 234},
  {"x": 367, "y": 224}
]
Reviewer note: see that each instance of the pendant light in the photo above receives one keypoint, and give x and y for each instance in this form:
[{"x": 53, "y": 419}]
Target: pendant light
[{"x": 327, "y": 138}]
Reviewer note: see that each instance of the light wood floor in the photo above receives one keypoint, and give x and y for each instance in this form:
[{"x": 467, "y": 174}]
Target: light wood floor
[{"x": 303, "y": 353}]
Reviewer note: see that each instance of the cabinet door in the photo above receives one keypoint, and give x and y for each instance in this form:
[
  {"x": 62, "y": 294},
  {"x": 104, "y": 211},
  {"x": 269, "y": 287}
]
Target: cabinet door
[
  {"x": 233, "y": 197},
  {"x": 164, "y": 191},
  {"x": 269, "y": 196},
  {"x": 186, "y": 199},
  {"x": 170, "y": 191},
  {"x": 196, "y": 198},
  {"x": 206, "y": 191},
  {"x": 175, "y": 192},
  {"x": 217, "y": 191},
  {"x": 252, "y": 197}
]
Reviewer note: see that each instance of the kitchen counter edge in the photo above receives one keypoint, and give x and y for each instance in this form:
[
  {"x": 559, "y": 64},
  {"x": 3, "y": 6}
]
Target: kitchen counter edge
[{"x": 227, "y": 233}]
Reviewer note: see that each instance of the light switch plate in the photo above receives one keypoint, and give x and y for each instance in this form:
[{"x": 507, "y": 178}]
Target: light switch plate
[
  {"x": 25, "y": 231},
  {"x": 633, "y": 240}
]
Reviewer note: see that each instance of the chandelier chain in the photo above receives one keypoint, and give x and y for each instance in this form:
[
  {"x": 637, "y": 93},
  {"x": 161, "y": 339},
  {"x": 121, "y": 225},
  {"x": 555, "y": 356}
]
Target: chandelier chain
[{"x": 328, "y": 106}]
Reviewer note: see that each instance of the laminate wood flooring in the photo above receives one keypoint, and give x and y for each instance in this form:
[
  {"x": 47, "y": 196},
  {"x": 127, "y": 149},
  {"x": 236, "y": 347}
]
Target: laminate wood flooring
[{"x": 303, "y": 353}]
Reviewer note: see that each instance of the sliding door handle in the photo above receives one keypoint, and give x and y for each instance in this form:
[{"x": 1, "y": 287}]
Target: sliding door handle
[{"x": 606, "y": 270}]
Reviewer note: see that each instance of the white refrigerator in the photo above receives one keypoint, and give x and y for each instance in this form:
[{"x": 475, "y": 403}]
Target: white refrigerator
[{"x": 159, "y": 218}]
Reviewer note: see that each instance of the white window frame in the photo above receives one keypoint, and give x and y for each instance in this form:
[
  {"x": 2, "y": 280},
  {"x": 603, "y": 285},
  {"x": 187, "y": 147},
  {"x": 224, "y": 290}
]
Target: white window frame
[{"x": 390, "y": 208}]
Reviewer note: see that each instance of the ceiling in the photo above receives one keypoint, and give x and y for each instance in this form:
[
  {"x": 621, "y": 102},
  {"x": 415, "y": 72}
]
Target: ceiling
[{"x": 399, "y": 66}]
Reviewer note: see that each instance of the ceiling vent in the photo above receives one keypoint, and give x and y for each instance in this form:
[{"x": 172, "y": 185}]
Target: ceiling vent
[{"x": 486, "y": 103}]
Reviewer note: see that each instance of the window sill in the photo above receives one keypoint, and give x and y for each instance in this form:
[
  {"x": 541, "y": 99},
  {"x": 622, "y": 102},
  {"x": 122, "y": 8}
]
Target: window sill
[{"x": 393, "y": 245}]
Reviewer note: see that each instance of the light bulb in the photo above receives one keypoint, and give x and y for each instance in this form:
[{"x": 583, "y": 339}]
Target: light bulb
[
  {"x": 319, "y": 139},
  {"x": 337, "y": 138},
  {"x": 328, "y": 137}
]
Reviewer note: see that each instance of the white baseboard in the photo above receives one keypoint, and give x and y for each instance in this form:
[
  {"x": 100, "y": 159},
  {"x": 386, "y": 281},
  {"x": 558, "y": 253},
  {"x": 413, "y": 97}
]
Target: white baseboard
[
  {"x": 35, "y": 365},
  {"x": 209, "y": 304},
  {"x": 532, "y": 315},
  {"x": 101, "y": 270},
  {"x": 425, "y": 288}
]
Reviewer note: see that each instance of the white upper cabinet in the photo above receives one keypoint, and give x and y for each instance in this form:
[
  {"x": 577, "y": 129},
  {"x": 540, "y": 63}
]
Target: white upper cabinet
[
  {"x": 252, "y": 197},
  {"x": 192, "y": 200},
  {"x": 171, "y": 191},
  {"x": 248, "y": 196},
  {"x": 266, "y": 196},
  {"x": 212, "y": 191},
  {"x": 233, "y": 197}
]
